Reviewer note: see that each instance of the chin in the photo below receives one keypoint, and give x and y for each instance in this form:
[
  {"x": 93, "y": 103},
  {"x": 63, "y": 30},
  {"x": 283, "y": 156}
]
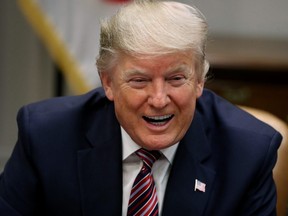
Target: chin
[{"x": 157, "y": 145}]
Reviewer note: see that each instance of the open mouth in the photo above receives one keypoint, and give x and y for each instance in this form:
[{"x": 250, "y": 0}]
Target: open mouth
[{"x": 158, "y": 120}]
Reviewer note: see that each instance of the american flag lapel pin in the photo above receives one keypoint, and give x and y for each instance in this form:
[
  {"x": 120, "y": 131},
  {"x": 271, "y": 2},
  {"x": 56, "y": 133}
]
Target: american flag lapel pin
[{"x": 200, "y": 186}]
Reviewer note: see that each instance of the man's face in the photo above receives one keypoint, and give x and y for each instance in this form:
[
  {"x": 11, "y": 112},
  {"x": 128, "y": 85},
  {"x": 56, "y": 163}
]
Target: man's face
[{"x": 154, "y": 97}]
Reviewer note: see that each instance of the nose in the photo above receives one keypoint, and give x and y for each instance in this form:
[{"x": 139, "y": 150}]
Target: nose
[{"x": 158, "y": 96}]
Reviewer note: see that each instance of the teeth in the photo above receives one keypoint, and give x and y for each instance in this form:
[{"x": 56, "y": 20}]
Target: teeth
[{"x": 158, "y": 119}]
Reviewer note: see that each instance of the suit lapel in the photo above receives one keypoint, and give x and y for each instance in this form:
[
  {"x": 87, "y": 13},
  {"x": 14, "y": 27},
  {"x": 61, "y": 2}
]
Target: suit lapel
[
  {"x": 192, "y": 161},
  {"x": 100, "y": 167}
]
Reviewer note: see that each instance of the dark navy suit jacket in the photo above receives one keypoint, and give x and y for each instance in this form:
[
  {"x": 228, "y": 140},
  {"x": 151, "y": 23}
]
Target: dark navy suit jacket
[{"x": 68, "y": 161}]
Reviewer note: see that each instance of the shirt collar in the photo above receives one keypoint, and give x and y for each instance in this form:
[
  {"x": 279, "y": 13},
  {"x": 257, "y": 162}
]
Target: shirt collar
[{"x": 129, "y": 147}]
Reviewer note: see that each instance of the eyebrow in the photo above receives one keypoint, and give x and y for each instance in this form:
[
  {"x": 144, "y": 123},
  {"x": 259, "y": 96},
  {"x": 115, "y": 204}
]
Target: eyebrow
[
  {"x": 135, "y": 71},
  {"x": 132, "y": 72},
  {"x": 182, "y": 67}
]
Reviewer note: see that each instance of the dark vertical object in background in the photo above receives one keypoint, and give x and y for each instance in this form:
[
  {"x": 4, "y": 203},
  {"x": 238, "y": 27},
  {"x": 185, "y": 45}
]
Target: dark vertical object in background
[{"x": 59, "y": 81}]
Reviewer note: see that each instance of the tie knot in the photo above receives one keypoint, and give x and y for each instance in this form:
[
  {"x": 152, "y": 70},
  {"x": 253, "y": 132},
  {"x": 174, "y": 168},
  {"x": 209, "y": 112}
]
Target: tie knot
[{"x": 148, "y": 157}]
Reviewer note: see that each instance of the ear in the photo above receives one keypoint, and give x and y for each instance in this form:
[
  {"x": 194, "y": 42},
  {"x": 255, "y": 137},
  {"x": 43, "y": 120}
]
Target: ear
[
  {"x": 199, "y": 88},
  {"x": 107, "y": 85}
]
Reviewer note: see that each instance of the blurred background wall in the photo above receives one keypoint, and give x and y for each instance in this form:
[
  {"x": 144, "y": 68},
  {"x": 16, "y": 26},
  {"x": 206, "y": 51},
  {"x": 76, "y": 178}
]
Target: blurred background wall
[
  {"x": 249, "y": 18},
  {"x": 27, "y": 72}
]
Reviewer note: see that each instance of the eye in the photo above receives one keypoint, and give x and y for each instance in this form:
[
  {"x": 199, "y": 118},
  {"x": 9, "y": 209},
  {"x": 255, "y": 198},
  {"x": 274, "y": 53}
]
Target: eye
[
  {"x": 177, "y": 80},
  {"x": 138, "y": 82}
]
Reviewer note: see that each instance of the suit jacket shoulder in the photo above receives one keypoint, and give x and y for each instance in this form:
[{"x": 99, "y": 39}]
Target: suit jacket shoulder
[
  {"x": 66, "y": 104},
  {"x": 217, "y": 112},
  {"x": 62, "y": 115}
]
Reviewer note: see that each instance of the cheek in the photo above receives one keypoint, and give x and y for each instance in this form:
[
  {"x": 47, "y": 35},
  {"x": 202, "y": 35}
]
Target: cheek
[
  {"x": 186, "y": 102},
  {"x": 128, "y": 110},
  {"x": 128, "y": 100}
]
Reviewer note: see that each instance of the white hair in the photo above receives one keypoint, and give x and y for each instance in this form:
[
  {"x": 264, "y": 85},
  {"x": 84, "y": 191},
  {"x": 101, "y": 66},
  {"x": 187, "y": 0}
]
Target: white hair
[{"x": 153, "y": 28}]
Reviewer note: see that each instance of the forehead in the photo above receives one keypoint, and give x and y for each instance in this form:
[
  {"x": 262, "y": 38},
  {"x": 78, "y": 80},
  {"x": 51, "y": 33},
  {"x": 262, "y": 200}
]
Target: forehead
[{"x": 164, "y": 62}]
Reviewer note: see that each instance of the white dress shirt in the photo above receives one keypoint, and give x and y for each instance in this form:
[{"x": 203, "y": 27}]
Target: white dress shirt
[{"x": 132, "y": 165}]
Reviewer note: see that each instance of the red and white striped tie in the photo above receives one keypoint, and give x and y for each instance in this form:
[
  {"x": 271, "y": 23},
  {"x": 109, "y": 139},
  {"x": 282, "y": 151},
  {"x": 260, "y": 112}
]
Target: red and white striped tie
[{"x": 143, "y": 198}]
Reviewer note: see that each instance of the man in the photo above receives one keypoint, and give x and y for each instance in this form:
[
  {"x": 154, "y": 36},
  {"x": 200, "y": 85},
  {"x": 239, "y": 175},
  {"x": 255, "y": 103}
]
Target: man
[{"x": 152, "y": 141}]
